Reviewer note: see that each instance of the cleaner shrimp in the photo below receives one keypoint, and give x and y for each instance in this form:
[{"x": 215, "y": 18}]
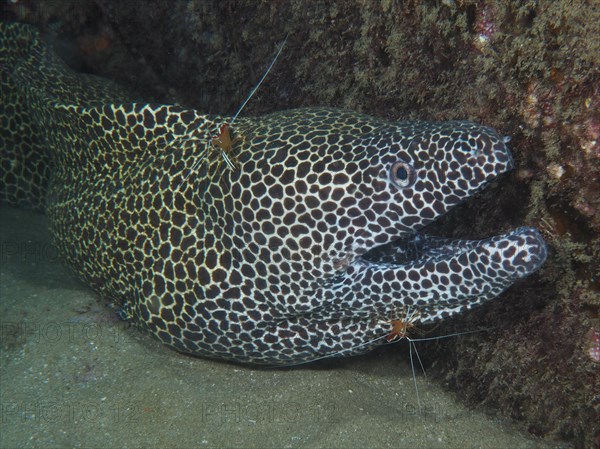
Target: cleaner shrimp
[
  {"x": 405, "y": 324},
  {"x": 401, "y": 324},
  {"x": 223, "y": 143}
]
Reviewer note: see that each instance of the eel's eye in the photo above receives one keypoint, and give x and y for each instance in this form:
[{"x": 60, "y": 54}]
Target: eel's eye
[{"x": 402, "y": 174}]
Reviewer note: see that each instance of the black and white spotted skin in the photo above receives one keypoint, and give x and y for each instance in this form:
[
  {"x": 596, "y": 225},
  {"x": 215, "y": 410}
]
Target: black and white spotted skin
[{"x": 307, "y": 250}]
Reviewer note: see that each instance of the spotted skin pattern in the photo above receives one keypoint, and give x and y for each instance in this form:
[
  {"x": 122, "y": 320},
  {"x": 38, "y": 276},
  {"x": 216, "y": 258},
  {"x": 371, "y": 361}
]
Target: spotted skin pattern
[{"x": 303, "y": 252}]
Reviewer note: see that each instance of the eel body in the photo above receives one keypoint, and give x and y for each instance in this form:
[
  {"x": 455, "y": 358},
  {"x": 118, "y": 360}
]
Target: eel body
[{"x": 310, "y": 248}]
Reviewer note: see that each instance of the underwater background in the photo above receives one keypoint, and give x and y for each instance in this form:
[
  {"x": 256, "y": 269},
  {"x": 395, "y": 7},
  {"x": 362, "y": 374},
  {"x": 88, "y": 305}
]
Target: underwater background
[{"x": 529, "y": 69}]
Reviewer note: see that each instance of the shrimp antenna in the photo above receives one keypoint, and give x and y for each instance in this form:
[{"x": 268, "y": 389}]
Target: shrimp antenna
[{"x": 260, "y": 82}]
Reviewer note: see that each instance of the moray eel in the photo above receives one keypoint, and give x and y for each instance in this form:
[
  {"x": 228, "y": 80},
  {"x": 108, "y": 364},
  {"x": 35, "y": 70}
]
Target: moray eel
[{"x": 309, "y": 249}]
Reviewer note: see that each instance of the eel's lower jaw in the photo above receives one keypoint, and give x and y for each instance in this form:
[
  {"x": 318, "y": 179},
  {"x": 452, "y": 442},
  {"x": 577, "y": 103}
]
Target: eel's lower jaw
[
  {"x": 509, "y": 256},
  {"x": 442, "y": 277}
]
